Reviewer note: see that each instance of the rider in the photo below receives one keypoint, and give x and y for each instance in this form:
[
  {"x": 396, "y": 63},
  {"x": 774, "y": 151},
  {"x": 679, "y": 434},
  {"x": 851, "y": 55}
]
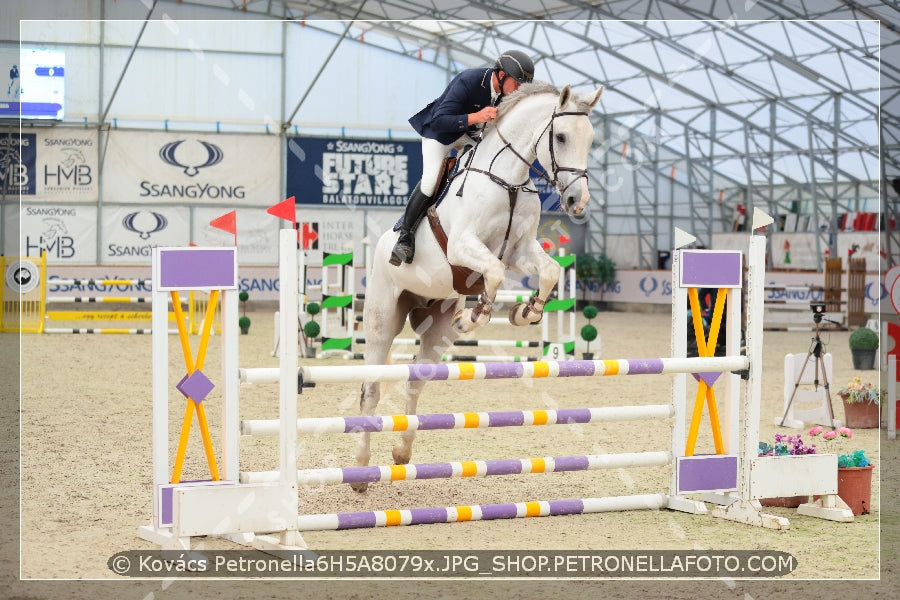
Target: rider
[{"x": 469, "y": 100}]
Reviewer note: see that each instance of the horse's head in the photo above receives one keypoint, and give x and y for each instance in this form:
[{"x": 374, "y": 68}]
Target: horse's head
[{"x": 564, "y": 146}]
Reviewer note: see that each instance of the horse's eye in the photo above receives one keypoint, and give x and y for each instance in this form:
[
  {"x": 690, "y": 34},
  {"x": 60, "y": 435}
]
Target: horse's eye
[{"x": 561, "y": 138}]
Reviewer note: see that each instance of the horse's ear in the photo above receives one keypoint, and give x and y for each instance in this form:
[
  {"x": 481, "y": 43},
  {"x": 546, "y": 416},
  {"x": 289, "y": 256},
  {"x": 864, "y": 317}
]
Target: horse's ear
[
  {"x": 564, "y": 96},
  {"x": 596, "y": 97}
]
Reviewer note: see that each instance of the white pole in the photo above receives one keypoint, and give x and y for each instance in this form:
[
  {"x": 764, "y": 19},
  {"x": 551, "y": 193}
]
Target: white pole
[
  {"x": 160, "y": 379},
  {"x": 288, "y": 298}
]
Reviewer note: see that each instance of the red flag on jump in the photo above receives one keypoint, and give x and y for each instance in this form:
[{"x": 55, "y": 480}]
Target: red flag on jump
[
  {"x": 286, "y": 209},
  {"x": 563, "y": 239},
  {"x": 227, "y": 222}
]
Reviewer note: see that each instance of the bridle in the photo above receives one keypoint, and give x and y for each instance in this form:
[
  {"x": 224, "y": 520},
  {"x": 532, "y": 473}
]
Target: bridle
[{"x": 555, "y": 168}]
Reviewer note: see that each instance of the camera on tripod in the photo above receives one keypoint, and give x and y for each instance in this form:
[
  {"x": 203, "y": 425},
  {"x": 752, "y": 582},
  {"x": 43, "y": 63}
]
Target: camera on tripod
[{"x": 818, "y": 310}]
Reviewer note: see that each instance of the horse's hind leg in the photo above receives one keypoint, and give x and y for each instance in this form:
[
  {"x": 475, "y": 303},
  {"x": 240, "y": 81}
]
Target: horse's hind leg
[
  {"x": 433, "y": 325},
  {"x": 530, "y": 258}
]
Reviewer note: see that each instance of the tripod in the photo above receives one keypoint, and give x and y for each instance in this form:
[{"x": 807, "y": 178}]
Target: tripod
[{"x": 815, "y": 351}]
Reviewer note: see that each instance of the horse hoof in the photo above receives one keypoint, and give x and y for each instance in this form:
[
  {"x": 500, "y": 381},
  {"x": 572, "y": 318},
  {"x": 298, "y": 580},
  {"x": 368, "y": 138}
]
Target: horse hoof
[
  {"x": 457, "y": 322},
  {"x": 359, "y": 487},
  {"x": 399, "y": 457}
]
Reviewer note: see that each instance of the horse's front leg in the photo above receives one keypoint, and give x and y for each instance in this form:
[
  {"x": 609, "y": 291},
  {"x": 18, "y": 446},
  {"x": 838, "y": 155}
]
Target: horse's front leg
[
  {"x": 530, "y": 258},
  {"x": 478, "y": 258},
  {"x": 368, "y": 400}
]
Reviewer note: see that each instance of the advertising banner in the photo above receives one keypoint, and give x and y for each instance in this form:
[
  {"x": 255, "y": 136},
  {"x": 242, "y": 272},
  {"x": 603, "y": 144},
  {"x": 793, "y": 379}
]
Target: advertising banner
[
  {"x": 352, "y": 172},
  {"x": 68, "y": 233},
  {"x": 58, "y": 165},
  {"x": 130, "y": 233},
  {"x": 188, "y": 168}
]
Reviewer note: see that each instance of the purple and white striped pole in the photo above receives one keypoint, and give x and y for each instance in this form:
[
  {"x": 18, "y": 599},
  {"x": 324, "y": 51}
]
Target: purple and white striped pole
[{"x": 479, "y": 512}]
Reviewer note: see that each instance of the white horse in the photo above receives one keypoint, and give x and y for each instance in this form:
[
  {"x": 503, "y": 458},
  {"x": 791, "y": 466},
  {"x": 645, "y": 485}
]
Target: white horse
[{"x": 489, "y": 227}]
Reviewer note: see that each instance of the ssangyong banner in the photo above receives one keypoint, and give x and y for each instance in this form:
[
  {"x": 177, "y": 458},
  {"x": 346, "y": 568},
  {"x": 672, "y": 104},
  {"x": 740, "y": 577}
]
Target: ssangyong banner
[
  {"x": 191, "y": 168},
  {"x": 130, "y": 233},
  {"x": 352, "y": 172}
]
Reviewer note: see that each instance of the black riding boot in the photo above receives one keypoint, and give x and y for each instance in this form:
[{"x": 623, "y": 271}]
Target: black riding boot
[{"x": 416, "y": 208}]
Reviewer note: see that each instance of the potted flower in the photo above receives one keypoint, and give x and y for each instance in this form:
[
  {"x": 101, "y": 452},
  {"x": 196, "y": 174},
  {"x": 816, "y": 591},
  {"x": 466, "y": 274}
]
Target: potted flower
[
  {"x": 588, "y": 332},
  {"x": 863, "y": 344},
  {"x": 862, "y": 403},
  {"x": 785, "y": 445},
  {"x": 854, "y": 468}
]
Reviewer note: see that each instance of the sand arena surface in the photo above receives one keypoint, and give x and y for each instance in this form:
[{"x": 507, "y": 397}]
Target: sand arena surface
[{"x": 86, "y": 451}]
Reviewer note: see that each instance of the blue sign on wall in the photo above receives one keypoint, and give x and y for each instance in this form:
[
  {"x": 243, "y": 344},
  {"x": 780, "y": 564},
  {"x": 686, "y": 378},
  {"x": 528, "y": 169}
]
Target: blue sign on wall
[{"x": 352, "y": 172}]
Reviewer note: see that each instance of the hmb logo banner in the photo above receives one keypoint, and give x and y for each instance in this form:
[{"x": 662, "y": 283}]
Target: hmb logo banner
[{"x": 18, "y": 163}]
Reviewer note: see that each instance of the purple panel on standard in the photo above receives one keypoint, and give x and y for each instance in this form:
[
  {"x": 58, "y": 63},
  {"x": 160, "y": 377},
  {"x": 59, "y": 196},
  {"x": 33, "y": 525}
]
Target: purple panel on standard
[
  {"x": 358, "y": 424},
  {"x": 711, "y": 269},
  {"x": 360, "y": 474},
  {"x": 196, "y": 268},
  {"x": 195, "y": 386},
  {"x": 498, "y": 511},
  {"x": 434, "y": 471},
  {"x": 165, "y": 509},
  {"x": 506, "y": 419},
  {"x": 426, "y": 516},
  {"x": 571, "y": 463},
  {"x": 573, "y": 415},
  {"x": 356, "y": 520},
  {"x": 504, "y": 466},
  {"x": 644, "y": 366},
  {"x": 707, "y": 472},
  {"x": 503, "y": 370},
  {"x": 566, "y": 507},
  {"x": 428, "y": 372},
  {"x": 576, "y": 368},
  {"x": 439, "y": 421},
  {"x": 708, "y": 378}
]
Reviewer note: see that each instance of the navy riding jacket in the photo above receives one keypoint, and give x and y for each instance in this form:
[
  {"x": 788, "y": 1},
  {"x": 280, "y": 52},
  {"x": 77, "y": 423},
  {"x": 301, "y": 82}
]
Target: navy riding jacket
[{"x": 447, "y": 117}]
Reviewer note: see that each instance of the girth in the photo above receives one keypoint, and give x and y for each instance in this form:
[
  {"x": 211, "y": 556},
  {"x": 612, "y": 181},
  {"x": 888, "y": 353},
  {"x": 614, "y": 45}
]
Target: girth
[{"x": 465, "y": 280}]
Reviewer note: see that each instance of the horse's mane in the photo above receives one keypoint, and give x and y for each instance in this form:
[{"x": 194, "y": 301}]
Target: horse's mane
[{"x": 530, "y": 89}]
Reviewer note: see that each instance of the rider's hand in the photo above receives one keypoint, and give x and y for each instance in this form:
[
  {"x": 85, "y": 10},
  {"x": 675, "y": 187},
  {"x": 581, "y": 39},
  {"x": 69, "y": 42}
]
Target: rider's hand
[{"x": 488, "y": 113}]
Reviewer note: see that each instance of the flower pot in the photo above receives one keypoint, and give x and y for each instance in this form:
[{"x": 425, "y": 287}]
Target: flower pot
[
  {"x": 863, "y": 358},
  {"x": 784, "y": 501},
  {"x": 309, "y": 352},
  {"x": 245, "y": 330},
  {"x": 587, "y": 355},
  {"x": 861, "y": 415},
  {"x": 855, "y": 488}
]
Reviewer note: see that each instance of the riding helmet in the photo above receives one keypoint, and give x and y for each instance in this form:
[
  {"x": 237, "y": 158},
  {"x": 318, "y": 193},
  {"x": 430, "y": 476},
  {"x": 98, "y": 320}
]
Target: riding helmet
[{"x": 517, "y": 65}]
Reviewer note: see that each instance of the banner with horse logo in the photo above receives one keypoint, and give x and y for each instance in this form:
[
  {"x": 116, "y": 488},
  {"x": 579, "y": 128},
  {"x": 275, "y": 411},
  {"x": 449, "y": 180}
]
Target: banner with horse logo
[{"x": 153, "y": 168}]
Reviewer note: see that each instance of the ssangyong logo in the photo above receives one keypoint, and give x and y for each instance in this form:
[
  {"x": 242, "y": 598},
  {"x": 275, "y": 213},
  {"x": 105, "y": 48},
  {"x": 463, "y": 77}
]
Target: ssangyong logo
[
  {"x": 213, "y": 157},
  {"x": 144, "y": 223}
]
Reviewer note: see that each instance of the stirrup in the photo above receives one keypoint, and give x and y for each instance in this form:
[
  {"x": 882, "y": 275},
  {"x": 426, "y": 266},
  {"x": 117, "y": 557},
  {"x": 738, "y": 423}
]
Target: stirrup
[{"x": 401, "y": 254}]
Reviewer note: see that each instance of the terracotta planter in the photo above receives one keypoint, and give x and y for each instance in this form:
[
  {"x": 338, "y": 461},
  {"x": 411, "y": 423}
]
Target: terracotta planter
[
  {"x": 784, "y": 501},
  {"x": 861, "y": 415},
  {"x": 855, "y": 488}
]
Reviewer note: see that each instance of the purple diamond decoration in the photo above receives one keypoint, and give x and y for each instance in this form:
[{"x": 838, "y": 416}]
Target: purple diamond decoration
[
  {"x": 708, "y": 378},
  {"x": 195, "y": 386}
]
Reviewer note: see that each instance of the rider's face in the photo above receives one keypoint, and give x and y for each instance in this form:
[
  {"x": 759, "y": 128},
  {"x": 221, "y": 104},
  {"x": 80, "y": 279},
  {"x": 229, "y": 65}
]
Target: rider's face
[{"x": 509, "y": 85}]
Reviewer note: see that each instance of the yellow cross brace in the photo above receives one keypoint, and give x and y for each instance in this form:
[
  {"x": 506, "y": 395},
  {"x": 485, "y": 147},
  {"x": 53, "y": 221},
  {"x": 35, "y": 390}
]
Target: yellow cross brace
[
  {"x": 705, "y": 347},
  {"x": 190, "y": 406}
]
